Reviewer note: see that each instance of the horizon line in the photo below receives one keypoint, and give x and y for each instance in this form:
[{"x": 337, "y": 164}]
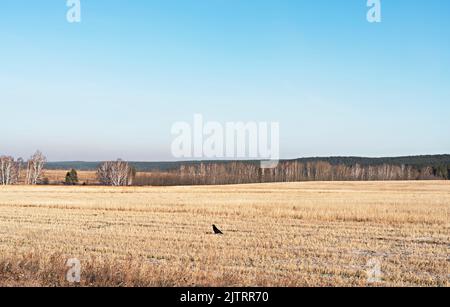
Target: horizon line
[{"x": 257, "y": 160}]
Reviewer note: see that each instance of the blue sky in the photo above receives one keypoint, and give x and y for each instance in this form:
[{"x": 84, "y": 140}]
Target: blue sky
[{"x": 113, "y": 85}]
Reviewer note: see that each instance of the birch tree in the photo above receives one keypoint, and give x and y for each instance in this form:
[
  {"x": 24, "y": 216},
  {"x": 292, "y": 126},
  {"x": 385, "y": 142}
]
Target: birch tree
[
  {"x": 114, "y": 173},
  {"x": 9, "y": 170},
  {"x": 35, "y": 166}
]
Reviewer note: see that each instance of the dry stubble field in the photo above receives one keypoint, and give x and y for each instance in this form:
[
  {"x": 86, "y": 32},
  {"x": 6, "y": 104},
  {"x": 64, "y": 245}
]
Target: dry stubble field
[{"x": 295, "y": 234}]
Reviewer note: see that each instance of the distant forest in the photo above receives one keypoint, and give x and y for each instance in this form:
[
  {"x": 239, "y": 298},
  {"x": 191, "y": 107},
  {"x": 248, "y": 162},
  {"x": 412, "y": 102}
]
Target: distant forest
[{"x": 304, "y": 169}]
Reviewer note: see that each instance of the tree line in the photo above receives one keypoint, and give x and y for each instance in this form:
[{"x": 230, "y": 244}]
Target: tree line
[
  {"x": 122, "y": 173},
  {"x": 218, "y": 173}
]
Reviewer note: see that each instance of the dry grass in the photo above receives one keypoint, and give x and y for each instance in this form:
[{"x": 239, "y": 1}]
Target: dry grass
[
  {"x": 59, "y": 176},
  {"x": 295, "y": 234}
]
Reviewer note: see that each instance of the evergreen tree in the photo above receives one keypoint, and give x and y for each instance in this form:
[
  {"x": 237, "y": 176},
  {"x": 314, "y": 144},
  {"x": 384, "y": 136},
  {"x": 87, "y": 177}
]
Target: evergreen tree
[{"x": 71, "y": 177}]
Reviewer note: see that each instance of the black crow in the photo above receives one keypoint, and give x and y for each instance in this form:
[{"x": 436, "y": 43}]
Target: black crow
[{"x": 217, "y": 230}]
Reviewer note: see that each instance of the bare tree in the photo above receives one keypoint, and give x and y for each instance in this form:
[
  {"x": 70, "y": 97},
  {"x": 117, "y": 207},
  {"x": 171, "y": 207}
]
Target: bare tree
[
  {"x": 20, "y": 164},
  {"x": 103, "y": 173},
  {"x": 35, "y": 167},
  {"x": 131, "y": 175},
  {"x": 5, "y": 170},
  {"x": 114, "y": 173},
  {"x": 9, "y": 170}
]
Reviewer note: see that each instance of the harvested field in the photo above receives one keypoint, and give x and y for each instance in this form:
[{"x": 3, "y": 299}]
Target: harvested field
[{"x": 294, "y": 234}]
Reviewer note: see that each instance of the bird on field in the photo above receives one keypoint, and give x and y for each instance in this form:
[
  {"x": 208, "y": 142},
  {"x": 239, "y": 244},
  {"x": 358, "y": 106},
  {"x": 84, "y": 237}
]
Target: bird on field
[{"x": 217, "y": 230}]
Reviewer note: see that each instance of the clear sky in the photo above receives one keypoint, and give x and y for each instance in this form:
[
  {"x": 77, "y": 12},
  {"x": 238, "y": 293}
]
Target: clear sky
[{"x": 113, "y": 85}]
